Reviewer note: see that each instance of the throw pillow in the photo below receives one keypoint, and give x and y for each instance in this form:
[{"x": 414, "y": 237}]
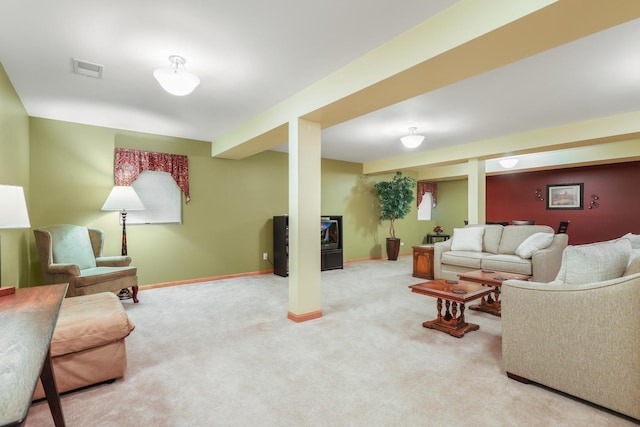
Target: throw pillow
[
  {"x": 594, "y": 263},
  {"x": 533, "y": 243},
  {"x": 467, "y": 239}
]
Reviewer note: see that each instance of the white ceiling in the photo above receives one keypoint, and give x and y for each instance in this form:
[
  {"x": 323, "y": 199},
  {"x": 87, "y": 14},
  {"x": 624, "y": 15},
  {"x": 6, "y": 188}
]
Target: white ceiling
[{"x": 251, "y": 55}]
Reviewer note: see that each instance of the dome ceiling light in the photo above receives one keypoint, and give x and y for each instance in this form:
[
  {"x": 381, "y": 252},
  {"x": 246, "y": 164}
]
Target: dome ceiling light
[
  {"x": 176, "y": 79},
  {"x": 412, "y": 140}
]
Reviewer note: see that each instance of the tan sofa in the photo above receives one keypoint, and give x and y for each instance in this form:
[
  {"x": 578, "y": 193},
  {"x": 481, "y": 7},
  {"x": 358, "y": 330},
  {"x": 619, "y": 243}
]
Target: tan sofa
[
  {"x": 498, "y": 253},
  {"x": 579, "y": 338},
  {"x": 88, "y": 342}
]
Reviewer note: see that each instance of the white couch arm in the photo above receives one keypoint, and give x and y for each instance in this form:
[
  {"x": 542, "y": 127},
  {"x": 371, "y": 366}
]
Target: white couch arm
[
  {"x": 546, "y": 262},
  {"x": 580, "y": 339},
  {"x": 438, "y": 249}
]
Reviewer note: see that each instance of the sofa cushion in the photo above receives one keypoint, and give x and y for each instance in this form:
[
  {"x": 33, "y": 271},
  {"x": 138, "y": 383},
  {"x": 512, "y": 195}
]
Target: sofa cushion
[
  {"x": 534, "y": 243},
  {"x": 594, "y": 262},
  {"x": 508, "y": 263},
  {"x": 467, "y": 239},
  {"x": 513, "y": 235},
  {"x": 491, "y": 237},
  {"x": 89, "y": 321},
  {"x": 463, "y": 259}
]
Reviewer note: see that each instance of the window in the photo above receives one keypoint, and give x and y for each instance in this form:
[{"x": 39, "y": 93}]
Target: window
[{"x": 162, "y": 199}]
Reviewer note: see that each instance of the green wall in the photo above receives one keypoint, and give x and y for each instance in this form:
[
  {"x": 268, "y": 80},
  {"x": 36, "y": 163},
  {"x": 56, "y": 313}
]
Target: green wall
[
  {"x": 67, "y": 172},
  {"x": 226, "y": 226},
  {"x": 452, "y": 208},
  {"x": 14, "y": 170}
]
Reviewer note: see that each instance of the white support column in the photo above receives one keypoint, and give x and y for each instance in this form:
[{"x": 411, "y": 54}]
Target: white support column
[
  {"x": 477, "y": 191},
  {"x": 304, "y": 220}
]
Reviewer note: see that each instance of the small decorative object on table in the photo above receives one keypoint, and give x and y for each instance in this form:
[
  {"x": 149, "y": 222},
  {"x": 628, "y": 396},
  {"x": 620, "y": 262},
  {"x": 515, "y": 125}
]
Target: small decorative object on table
[{"x": 437, "y": 229}]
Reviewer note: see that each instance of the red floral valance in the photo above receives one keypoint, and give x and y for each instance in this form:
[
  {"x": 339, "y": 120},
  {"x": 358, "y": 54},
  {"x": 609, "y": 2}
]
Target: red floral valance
[
  {"x": 427, "y": 187},
  {"x": 130, "y": 163}
]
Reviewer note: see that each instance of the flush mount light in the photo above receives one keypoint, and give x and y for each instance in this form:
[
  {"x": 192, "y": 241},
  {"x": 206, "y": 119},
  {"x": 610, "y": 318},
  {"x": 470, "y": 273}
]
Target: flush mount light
[
  {"x": 412, "y": 140},
  {"x": 176, "y": 79},
  {"x": 508, "y": 162}
]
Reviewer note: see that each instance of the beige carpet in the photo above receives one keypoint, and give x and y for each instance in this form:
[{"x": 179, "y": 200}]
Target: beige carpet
[{"x": 223, "y": 353}]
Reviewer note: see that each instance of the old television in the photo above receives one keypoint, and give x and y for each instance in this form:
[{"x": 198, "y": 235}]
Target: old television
[{"x": 329, "y": 234}]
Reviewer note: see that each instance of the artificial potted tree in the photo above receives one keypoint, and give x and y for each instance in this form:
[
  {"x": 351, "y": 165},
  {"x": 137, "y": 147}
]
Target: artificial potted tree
[{"x": 396, "y": 197}]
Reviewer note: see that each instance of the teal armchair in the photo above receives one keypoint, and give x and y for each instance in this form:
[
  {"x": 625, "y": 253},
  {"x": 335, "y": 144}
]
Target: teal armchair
[{"x": 73, "y": 254}]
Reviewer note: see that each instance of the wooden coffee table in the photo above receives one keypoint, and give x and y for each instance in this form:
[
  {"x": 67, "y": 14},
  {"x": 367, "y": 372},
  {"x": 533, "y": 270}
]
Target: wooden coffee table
[
  {"x": 490, "y": 303},
  {"x": 453, "y": 294}
]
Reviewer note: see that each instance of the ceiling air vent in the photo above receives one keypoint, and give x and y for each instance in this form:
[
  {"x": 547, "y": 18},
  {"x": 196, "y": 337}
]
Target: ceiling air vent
[{"x": 85, "y": 68}]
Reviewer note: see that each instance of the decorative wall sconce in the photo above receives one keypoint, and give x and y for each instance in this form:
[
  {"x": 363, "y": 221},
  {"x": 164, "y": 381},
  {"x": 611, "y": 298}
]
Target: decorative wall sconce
[
  {"x": 539, "y": 197},
  {"x": 594, "y": 201}
]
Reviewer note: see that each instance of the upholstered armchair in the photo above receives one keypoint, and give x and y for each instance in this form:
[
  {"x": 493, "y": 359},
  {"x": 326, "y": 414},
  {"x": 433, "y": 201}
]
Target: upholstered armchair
[
  {"x": 579, "y": 334},
  {"x": 73, "y": 254}
]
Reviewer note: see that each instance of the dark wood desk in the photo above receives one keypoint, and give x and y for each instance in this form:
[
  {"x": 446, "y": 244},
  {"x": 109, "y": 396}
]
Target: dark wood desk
[{"x": 27, "y": 321}]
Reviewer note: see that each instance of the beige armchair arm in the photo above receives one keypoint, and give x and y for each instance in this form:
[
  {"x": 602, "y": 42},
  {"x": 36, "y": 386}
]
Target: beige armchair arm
[
  {"x": 66, "y": 269},
  {"x": 580, "y": 339},
  {"x": 113, "y": 261}
]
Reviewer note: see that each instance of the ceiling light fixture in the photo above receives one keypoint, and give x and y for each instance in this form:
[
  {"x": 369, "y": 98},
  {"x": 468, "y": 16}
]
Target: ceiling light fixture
[
  {"x": 412, "y": 140},
  {"x": 508, "y": 162},
  {"x": 176, "y": 79}
]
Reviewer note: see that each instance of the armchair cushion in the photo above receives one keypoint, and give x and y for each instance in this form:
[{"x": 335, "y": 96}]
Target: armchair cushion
[
  {"x": 634, "y": 239},
  {"x": 594, "y": 262},
  {"x": 633, "y": 267},
  {"x": 92, "y": 276},
  {"x": 71, "y": 245}
]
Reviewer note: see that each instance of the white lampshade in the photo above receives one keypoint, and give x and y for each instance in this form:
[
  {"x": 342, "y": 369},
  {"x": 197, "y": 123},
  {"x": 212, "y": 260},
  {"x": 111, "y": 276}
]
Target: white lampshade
[
  {"x": 123, "y": 198},
  {"x": 176, "y": 79},
  {"x": 13, "y": 207},
  {"x": 412, "y": 140},
  {"x": 508, "y": 162}
]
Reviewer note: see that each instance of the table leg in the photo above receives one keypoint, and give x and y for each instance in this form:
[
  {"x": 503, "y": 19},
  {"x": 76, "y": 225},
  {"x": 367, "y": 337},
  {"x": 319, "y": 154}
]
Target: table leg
[
  {"x": 490, "y": 304},
  {"x": 449, "y": 323},
  {"x": 51, "y": 391}
]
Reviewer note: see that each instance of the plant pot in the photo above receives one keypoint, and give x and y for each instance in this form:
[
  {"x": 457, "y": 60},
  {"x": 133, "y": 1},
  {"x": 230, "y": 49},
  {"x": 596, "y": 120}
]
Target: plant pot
[{"x": 393, "y": 248}]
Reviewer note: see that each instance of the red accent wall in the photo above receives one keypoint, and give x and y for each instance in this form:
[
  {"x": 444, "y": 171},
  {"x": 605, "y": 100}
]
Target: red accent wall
[{"x": 617, "y": 185}]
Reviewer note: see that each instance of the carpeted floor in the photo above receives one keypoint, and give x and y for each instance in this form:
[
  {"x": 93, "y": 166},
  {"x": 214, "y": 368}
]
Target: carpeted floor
[{"x": 223, "y": 353}]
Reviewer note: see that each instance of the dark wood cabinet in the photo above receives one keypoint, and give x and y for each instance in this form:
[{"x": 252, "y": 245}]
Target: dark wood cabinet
[
  {"x": 330, "y": 258},
  {"x": 423, "y": 261}
]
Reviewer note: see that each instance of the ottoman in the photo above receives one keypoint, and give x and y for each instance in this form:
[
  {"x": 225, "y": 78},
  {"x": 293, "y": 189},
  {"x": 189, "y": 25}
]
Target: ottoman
[{"x": 88, "y": 342}]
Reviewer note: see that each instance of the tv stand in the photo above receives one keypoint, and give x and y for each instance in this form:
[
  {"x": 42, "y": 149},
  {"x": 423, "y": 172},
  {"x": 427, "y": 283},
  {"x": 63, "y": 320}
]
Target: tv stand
[{"x": 330, "y": 259}]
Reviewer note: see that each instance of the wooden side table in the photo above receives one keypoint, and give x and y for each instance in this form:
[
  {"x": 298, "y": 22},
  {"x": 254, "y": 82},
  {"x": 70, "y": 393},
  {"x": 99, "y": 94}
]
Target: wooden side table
[
  {"x": 431, "y": 238},
  {"x": 423, "y": 261}
]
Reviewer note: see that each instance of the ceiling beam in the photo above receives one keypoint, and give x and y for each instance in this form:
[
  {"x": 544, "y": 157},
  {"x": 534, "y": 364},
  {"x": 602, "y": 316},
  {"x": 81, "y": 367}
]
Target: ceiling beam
[
  {"x": 464, "y": 40},
  {"x": 580, "y": 134}
]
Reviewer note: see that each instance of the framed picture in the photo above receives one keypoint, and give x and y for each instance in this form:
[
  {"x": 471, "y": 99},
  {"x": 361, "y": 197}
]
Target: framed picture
[{"x": 565, "y": 196}]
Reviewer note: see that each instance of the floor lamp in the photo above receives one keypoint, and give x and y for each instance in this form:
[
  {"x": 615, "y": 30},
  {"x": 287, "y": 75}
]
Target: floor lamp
[
  {"x": 123, "y": 199},
  {"x": 13, "y": 214}
]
